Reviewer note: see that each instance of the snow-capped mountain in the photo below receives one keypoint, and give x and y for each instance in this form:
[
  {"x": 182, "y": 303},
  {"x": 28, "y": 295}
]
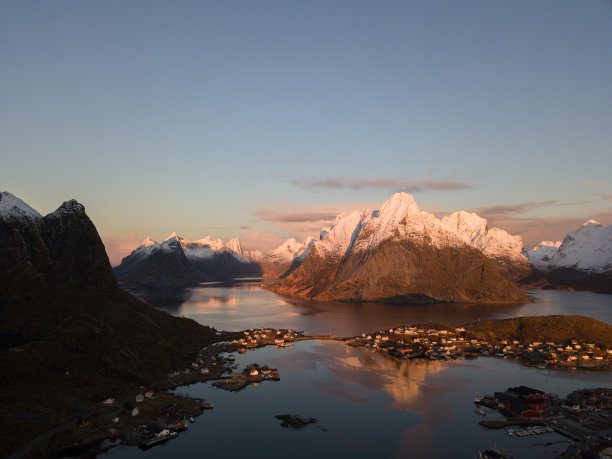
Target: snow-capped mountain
[
  {"x": 507, "y": 251},
  {"x": 12, "y": 206},
  {"x": 541, "y": 255},
  {"x": 286, "y": 257},
  {"x": 289, "y": 250},
  {"x": 583, "y": 261},
  {"x": 176, "y": 262},
  {"x": 396, "y": 253},
  {"x": 587, "y": 249}
]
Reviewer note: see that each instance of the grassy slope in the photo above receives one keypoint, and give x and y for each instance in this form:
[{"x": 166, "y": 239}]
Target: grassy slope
[{"x": 545, "y": 328}]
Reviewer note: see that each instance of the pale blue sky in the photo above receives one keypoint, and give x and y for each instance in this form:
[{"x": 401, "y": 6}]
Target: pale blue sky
[{"x": 211, "y": 117}]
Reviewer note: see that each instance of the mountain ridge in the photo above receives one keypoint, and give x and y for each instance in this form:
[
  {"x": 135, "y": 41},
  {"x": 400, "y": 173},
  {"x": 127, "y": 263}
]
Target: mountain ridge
[
  {"x": 177, "y": 263},
  {"x": 397, "y": 253}
]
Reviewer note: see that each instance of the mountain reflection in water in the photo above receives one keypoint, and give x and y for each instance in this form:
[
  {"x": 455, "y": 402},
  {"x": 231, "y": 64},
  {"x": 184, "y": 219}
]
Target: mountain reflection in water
[
  {"x": 401, "y": 379},
  {"x": 367, "y": 405},
  {"x": 245, "y": 304}
]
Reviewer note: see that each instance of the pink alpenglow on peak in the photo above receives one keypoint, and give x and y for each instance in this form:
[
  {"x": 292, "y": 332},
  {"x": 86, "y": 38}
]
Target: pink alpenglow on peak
[
  {"x": 147, "y": 242},
  {"x": 289, "y": 251},
  {"x": 398, "y": 253},
  {"x": 173, "y": 236},
  {"x": 493, "y": 242},
  {"x": 234, "y": 245}
]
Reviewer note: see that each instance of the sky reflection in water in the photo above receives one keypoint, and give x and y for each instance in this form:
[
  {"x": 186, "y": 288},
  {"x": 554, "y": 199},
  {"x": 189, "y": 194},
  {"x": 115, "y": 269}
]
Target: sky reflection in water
[
  {"x": 367, "y": 404},
  {"x": 246, "y": 305}
]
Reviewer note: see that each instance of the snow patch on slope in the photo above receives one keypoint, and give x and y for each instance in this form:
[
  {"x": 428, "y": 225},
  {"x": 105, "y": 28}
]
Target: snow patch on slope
[
  {"x": 289, "y": 251},
  {"x": 12, "y": 206},
  {"x": 492, "y": 242},
  {"x": 541, "y": 255}
]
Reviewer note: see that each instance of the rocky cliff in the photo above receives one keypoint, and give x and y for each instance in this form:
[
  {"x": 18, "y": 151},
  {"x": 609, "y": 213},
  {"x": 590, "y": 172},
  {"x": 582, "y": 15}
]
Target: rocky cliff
[{"x": 69, "y": 335}]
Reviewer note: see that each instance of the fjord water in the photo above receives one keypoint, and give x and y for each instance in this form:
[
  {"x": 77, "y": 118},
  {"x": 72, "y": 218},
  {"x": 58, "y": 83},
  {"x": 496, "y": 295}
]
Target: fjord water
[
  {"x": 245, "y": 304},
  {"x": 367, "y": 405}
]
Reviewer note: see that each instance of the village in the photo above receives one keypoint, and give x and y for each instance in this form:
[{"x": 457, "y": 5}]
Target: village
[
  {"x": 446, "y": 343},
  {"x": 584, "y": 416},
  {"x": 156, "y": 415}
]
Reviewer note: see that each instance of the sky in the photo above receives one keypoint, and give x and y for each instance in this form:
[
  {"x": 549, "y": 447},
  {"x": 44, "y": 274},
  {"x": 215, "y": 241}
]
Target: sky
[{"x": 264, "y": 120}]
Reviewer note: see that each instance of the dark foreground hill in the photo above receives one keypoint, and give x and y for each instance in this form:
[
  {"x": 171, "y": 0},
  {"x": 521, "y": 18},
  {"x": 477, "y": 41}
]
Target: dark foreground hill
[{"x": 69, "y": 335}]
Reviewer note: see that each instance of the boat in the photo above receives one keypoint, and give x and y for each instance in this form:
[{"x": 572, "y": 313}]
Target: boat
[{"x": 478, "y": 398}]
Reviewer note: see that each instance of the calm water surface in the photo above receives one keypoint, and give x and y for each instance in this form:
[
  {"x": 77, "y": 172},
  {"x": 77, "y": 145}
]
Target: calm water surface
[
  {"x": 242, "y": 305},
  {"x": 367, "y": 405}
]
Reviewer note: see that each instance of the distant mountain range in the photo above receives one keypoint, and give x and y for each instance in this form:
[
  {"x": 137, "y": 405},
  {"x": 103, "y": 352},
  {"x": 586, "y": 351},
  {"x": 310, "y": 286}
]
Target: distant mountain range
[
  {"x": 582, "y": 261},
  {"x": 177, "y": 262}
]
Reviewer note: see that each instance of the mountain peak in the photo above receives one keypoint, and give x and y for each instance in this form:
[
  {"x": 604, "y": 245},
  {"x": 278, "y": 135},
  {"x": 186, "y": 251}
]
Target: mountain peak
[
  {"x": 12, "y": 206},
  {"x": 173, "y": 236},
  {"x": 147, "y": 242},
  {"x": 463, "y": 222},
  {"x": 234, "y": 245},
  {"x": 592, "y": 222},
  {"x": 70, "y": 207},
  {"x": 398, "y": 205},
  {"x": 556, "y": 244}
]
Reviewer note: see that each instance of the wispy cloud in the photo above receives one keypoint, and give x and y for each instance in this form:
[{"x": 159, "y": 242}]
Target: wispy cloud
[
  {"x": 606, "y": 196},
  {"x": 514, "y": 208},
  {"x": 596, "y": 184},
  {"x": 517, "y": 209},
  {"x": 294, "y": 217},
  {"x": 360, "y": 183}
]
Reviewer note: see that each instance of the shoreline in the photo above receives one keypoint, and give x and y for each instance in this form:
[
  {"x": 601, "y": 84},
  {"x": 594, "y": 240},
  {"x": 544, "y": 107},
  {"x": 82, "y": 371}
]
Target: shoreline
[{"x": 431, "y": 341}]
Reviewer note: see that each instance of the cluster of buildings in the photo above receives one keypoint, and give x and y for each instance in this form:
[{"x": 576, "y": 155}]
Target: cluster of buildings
[
  {"x": 253, "y": 374},
  {"x": 256, "y": 337},
  {"x": 585, "y": 416},
  {"x": 523, "y": 401},
  {"x": 447, "y": 344}
]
